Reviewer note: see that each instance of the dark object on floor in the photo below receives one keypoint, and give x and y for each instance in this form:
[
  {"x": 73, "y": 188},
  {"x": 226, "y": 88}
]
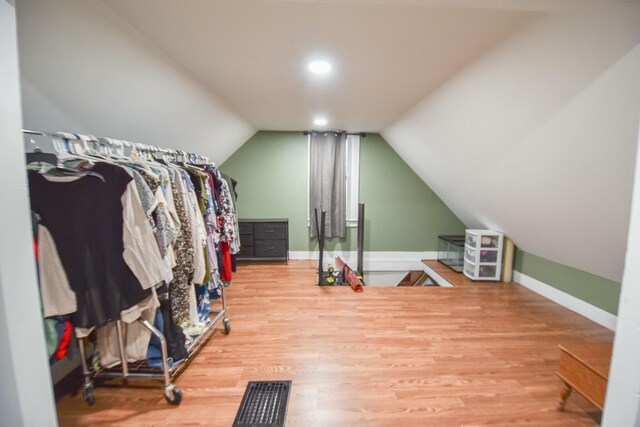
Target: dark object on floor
[{"x": 264, "y": 404}]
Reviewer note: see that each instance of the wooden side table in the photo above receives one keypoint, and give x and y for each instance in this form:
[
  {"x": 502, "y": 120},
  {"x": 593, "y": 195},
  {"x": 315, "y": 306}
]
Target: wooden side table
[{"x": 585, "y": 369}]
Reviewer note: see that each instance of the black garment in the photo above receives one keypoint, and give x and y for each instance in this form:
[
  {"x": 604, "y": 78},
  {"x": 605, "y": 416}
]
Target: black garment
[
  {"x": 85, "y": 218},
  {"x": 220, "y": 263},
  {"x": 35, "y": 220},
  {"x": 196, "y": 181},
  {"x": 234, "y": 183},
  {"x": 217, "y": 188},
  {"x": 172, "y": 333}
]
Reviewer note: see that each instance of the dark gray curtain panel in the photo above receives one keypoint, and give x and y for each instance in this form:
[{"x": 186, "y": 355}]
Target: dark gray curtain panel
[{"x": 327, "y": 175}]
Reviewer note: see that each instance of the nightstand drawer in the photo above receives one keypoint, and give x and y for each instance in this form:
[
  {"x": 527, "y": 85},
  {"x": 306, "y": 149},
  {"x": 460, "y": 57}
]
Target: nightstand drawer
[
  {"x": 245, "y": 252},
  {"x": 269, "y": 231},
  {"x": 246, "y": 239},
  {"x": 245, "y": 227},
  {"x": 271, "y": 248}
]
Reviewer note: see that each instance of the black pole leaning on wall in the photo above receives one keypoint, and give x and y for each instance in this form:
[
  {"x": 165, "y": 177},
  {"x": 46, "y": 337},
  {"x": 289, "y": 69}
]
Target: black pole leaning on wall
[{"x": 360, "y": 268}]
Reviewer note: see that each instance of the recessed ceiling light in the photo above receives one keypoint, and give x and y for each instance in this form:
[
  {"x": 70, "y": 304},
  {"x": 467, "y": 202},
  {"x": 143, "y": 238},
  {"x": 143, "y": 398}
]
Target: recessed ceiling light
[
  {"x": 320, "y": 121},
  {"x": 319, "y": 67}
]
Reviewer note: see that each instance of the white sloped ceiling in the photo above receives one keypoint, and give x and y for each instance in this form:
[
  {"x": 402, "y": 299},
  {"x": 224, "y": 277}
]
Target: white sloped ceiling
[
  {"x": 386, "y": 54},
  {"x": 537, "y": 138},
  {"x": 85, "y": 69}
]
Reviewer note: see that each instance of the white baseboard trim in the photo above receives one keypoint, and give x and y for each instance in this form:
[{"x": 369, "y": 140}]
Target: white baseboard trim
[
  {"x": 373, "y": 261},
  {"x": 577, "y": 305}
]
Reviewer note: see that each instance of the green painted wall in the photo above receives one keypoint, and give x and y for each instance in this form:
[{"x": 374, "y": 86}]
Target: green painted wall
[
  {"x": 595, "y": 290},
  {"x": 401, "y": 213}
]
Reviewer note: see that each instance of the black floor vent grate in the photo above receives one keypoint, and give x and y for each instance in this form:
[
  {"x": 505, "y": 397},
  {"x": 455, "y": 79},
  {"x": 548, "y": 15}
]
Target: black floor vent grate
[{"x": 264, "y": 404}]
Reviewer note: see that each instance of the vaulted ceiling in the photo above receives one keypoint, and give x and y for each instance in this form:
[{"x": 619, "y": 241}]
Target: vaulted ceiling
[
  {"x": 386, "y": 55},
  {"x": 521, "y": 114}
]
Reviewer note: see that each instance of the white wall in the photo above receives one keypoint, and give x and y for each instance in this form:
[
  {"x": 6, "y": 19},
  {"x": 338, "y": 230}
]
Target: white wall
[
  {"x": 537, "y": 138},
  {"x": 41, "y": 113},
  {"x": 85, "y": 69},
  {"x": 623, "y": 393},
  {"x": 25, "y": 387}
]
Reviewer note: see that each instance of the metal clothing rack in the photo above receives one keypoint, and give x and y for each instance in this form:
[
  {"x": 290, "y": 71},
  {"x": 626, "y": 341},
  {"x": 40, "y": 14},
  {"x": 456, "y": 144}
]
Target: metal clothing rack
[
  {"x": 111, "y": 146},
  {"x": 139, "y": 369}
]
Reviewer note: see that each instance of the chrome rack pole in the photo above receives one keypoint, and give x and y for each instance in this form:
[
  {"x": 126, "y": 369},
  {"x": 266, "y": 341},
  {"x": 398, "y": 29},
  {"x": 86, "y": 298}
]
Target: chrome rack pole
[
  {"x": 86, "y": 373},
  {"x": 83, "y": 356},
  {"x": 172, "y": 393},
  {"x": 224, "y": 305},
  {"x": 123, "y": 356},
  {"x": 163, "y": 348}
]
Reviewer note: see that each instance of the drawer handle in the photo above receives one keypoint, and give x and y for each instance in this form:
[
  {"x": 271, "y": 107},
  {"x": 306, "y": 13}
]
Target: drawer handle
[{"x": 269, "y": 231}]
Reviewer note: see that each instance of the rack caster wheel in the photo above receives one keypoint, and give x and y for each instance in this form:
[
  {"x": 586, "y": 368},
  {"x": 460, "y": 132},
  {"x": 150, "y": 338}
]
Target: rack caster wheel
[
  {"x": 88, "y": 393},
  {"x": 173, "y": 395},
  {"x": 227, "y": 326}
]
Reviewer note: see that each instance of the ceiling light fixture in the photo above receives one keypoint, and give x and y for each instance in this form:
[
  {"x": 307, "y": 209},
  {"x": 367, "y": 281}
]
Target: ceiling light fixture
[
  {"x": 320, "y": 121},
  {"x": 320, "y": 67}
]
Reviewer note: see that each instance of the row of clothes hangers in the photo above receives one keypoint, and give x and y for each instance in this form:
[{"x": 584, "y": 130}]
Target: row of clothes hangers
[
  {"x": 70, "y": 148},
  {"x": 40, "y": 158}
]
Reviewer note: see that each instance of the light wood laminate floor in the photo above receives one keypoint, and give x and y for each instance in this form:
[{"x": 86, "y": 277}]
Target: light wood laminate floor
[{"x": 476, "y": 354}]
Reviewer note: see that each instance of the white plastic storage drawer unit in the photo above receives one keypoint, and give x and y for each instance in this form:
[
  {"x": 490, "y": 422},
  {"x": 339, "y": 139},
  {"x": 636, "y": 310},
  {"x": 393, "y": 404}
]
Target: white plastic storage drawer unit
[{"x": 483, "y": 254}]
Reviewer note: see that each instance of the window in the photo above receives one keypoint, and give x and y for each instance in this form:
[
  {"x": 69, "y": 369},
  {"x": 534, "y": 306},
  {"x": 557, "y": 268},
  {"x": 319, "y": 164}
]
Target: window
[{"x": 352, "y": 178}]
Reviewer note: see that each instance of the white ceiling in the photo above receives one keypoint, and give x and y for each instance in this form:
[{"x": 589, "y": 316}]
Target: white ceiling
[{"x": 387, "y": 55}]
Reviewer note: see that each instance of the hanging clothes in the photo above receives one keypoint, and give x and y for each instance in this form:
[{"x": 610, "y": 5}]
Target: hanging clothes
[
  {"x": 231, "y": 187},
  {"x": 85, "y": 218},
  {"x": 57, "y": 296},
  {"x": 227, "y": 225},
  {"x": 173, "y": 334},
  {"x": 147, "y": 240},
  {"x": 184, "y": 249}
]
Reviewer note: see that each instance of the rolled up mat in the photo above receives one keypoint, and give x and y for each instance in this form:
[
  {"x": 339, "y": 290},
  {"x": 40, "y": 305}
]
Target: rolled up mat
[{"x": 349, "y": 276}]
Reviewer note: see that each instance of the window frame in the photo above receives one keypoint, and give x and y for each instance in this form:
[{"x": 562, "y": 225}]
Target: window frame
[{"x": 352, "y": 179}]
